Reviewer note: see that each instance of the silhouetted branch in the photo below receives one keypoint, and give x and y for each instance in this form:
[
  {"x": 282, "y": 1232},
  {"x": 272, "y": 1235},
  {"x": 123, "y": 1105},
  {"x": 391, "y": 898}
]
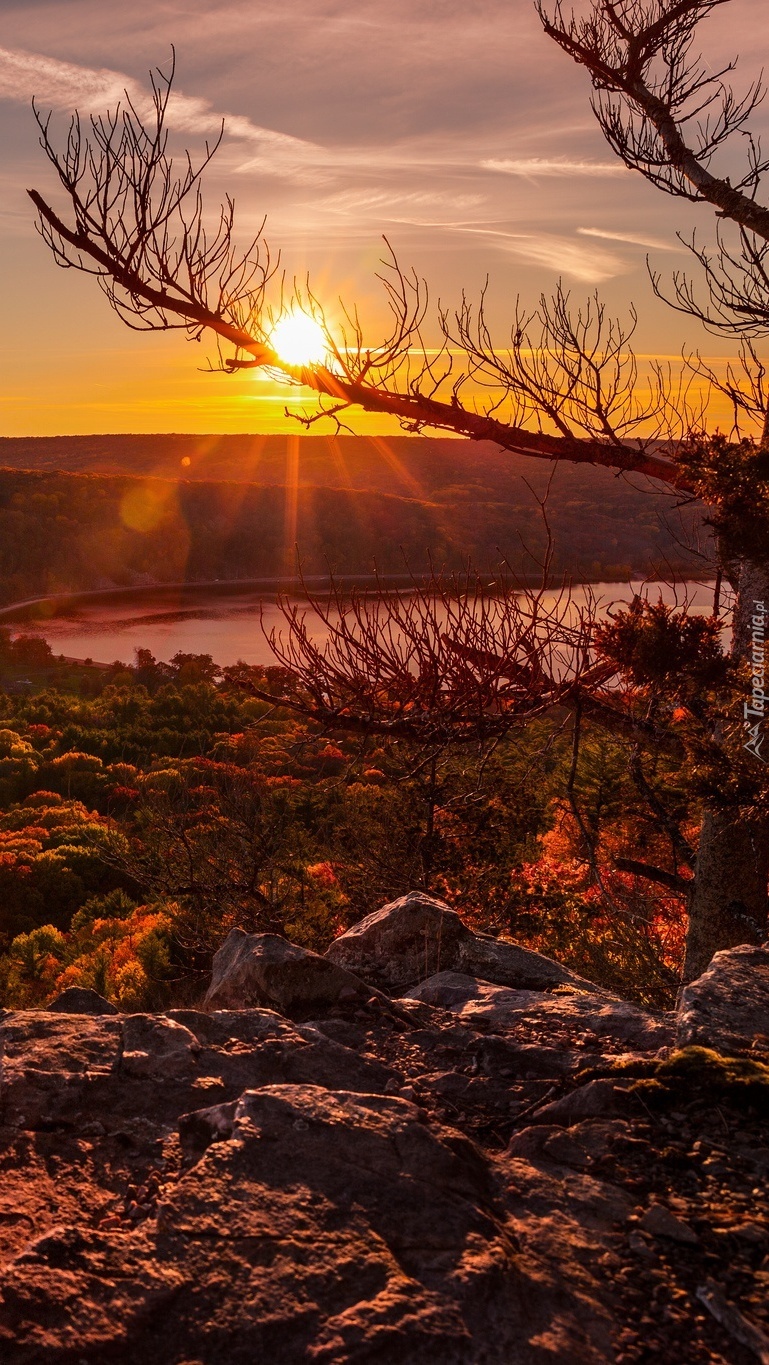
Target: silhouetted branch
[
  {"x": 667, "y": 113},
  {"x": 564, "y": 389}
]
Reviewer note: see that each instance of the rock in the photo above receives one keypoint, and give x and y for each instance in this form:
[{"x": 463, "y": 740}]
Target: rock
[
  {"x": 755, "y": 1234},
  {"x": 660, "y": 1222},
  {"x": 69, "y": 1071},
  {"x": 453, "y": 991},
  {"x": 234, "y": 1186},
  {"x": 54, "y": 1064},
  {"x": 564, "y": 1148},
  {"x": 263, "y": 969},
  {"x": 501, "y": 1009},
  {"x": 727, "y": 1008},
  {"x": 508, "y": 964},
  {"x": 154, "y": 1046},
  {"x": 406, "y": 941},
  {"x": 417, "y": 937},
  {"x": 79, "y": 1000},
  {"x": 568, "y": 1222},
  {"x": 503, "y": 1059},
  {"x": 583, "y": 1144},
  {"x": 317, "y": 1225},
  {"x": 598, "y": 1099},
  {"x": 549, "y": 1144}
]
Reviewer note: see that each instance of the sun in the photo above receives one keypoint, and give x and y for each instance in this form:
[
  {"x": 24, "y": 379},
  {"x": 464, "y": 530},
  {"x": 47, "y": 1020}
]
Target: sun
[{"x": 299, "y": 340}]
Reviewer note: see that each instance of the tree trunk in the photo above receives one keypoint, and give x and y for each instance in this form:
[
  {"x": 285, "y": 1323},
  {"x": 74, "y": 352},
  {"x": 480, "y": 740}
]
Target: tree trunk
[{"x": 728, "y": 904}]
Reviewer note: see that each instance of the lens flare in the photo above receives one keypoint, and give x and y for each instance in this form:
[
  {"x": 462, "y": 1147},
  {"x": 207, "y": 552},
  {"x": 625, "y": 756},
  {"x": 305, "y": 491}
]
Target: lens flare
[{"x": 299, "y": 340}]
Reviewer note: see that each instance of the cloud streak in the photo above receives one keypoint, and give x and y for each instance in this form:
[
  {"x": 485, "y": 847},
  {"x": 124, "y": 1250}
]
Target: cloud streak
[
  {"x": 64, "y": 86},
  {"x": 654, "y": 243},
  {"x": 559, "y": 253},
  {"x": 536, "y": 166}
]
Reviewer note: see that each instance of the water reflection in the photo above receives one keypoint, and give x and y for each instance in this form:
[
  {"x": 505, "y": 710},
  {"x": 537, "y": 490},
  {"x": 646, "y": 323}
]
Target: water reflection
[{"x": 228, "y": 624}]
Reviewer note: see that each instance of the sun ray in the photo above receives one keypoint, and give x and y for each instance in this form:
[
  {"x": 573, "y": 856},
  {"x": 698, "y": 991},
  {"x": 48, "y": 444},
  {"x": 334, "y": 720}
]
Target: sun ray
[
  {"x": 397, "y": 465},
  {"x": 291, "y": 504}
]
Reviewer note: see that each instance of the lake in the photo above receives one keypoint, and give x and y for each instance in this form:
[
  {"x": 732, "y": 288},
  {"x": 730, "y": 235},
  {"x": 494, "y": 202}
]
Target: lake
[{"x": 226, "y": 621}]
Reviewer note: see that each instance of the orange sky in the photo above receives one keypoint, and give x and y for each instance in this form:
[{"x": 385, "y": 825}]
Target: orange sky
[{"x": 460, "y": 132}]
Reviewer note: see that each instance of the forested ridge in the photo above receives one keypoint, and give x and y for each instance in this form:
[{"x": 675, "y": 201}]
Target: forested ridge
[{"x": 97, "y": 512}]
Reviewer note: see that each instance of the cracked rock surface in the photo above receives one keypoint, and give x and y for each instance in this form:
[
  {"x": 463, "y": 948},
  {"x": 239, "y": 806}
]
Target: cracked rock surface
[{"x": 457, "y": 1177}]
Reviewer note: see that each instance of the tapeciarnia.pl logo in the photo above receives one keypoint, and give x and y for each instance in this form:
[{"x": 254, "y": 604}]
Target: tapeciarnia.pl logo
[{"x": 755, "y": 709}]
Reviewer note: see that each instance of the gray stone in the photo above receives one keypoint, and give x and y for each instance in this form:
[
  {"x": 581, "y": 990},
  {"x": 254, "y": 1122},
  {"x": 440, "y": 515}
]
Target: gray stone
[
  {"x": 564, "y": 1012},
  {"x": 598, "y": 1099},
  {"x": 79, "y": 1000},
  {"x": 405, "y": 942},
  {"x": 660, "y": 1222},
  {"x": 266, "y": 970},
  {"x": 417, "y": 937},
  {"x": 727, "y": 1008}
]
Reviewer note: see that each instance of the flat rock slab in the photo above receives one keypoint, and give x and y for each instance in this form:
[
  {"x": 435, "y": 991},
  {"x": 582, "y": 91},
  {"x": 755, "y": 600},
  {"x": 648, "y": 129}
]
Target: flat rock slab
[
  {"x": 727, "y": 1008},
  {"x": 68, "y": 1071},
  {"x": 266, "y": 970},
  {"x": 558, "y": 1014},
  {"x": 417, "y": 936},
  {"x": 508, "y": 964},
  {"x": 317, "y": 1226}
]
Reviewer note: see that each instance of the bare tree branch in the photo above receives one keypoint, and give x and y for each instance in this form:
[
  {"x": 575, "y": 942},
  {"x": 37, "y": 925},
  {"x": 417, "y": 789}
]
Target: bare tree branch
[{"x": 565, "y": 388}]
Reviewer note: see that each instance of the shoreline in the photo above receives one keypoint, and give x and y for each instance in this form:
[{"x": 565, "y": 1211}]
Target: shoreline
[{"x": 59, "y": 604}]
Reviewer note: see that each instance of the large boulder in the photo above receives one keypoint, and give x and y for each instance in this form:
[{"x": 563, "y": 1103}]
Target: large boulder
[
  {"x": 268, "y": 971},
  {"x": 403, "y": 943},
  {"x": 727, "y": 1008},
  {"x": 559, "y": 1017},
  {"x": 417, "y": 936}
]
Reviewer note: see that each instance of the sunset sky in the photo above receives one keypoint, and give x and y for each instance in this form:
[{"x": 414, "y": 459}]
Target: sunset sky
[{"x": 457, "y": 130}]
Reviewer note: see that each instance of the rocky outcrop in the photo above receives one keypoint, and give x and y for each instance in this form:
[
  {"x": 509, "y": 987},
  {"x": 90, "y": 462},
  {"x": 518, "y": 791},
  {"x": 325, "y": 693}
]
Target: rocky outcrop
[
  {"x": 61, "y": 1071},
  {"x": 266, "y": 970},
  {"x": 306, "y": 1211},
  {"x": 727, "y": 1008},
  {"x": 417, "y": 937},
  {"x": 475, "y": 1174},
  {"x": 316, "y": 1223}
]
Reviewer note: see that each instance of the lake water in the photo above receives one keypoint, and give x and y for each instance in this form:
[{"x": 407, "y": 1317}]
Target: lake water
[{"x": 229, "y": 624}]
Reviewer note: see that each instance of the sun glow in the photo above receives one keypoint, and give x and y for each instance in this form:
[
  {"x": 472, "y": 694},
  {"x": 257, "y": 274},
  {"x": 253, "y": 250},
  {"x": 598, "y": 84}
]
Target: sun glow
[{"x": 299, "y": 340}]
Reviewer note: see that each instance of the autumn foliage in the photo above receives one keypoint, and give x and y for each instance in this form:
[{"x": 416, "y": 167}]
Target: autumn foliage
[{"x": 141, "y": 823}]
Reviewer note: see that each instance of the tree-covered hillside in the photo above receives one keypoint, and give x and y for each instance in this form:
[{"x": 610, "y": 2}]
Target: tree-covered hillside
[{"x": 92, "y": 512}]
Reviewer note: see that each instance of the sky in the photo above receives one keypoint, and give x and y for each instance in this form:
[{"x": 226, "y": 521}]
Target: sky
[{"x": 455, "y": 128}]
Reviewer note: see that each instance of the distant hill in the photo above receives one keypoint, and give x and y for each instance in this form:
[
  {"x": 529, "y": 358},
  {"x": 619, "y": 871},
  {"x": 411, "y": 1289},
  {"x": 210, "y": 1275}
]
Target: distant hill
[{"x": 98, "y": 511}]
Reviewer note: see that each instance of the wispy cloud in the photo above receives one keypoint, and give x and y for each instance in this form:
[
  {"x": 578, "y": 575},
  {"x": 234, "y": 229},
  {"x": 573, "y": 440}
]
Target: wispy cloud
[
  {"x": 561, "y": 254},
  {"x": 534, "y": 166},
  {"x": 424, "y": 208},
  {"x": 654, "y": 243},
  {"x": 63, "y": 85}
]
